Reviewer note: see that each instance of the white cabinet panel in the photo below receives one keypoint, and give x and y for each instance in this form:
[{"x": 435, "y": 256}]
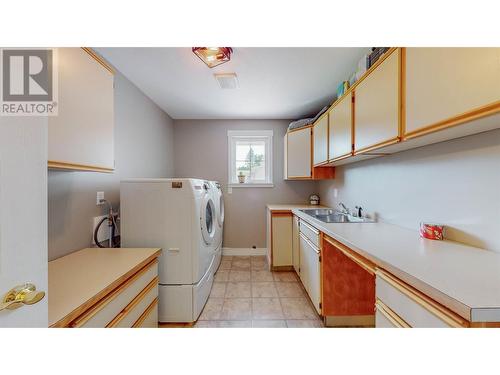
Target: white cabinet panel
[
  {"x": 340, "y": 125},
  {"x": 320, "y": 141},
  {"x": 296, "y": 244},
  {"x": 310, "y": 274},
  {"x": 442, "y": 83},
  {"x": 81, "y": 135},
  {"x": 299, "y": 154},
  {"x": 376, "y": 106},
  {"x": 281, "y": 227}
]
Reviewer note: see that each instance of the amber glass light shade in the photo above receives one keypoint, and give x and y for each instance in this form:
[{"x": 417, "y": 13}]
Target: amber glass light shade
[{"x": 213, "y": 56}]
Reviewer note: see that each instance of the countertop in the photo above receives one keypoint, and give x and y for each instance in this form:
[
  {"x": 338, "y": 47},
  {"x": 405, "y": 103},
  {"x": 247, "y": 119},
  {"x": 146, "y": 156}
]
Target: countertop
[
  {"x": 463, "y": 278},
  {"x": 290, "y": 207},
  {"x": 77, "y": 279}
]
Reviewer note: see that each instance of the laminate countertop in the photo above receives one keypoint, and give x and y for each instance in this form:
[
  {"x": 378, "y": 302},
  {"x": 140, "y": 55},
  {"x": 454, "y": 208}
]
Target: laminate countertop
[
  {"x": 290, "y": 207},
  {"x": 463, "y": 278},
  {"x": 78, "y": 279}
]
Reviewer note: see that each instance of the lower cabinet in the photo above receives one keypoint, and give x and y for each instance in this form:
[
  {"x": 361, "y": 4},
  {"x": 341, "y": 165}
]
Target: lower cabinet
[
  {"x": 409, "y": 307},
  {"x": 348, "y": 286},
  {"x": 310, "y": 270},
  {"x": 127, "y": 306},
  {"x": 280, "y": 240}
]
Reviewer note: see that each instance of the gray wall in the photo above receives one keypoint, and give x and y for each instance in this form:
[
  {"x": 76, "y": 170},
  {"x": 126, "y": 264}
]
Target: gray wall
[
  {"x": 201, "y": 151},
  {"x": 143, "y": 148},
  {"x": 456, "y": 183}
]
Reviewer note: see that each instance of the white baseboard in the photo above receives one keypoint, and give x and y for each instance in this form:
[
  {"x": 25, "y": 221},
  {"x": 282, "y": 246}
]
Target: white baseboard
[{"x": 243, "y": 251}]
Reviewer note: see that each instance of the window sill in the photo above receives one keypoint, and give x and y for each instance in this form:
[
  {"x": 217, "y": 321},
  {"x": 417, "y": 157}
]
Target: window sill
[{"x": 250, "y": 185}]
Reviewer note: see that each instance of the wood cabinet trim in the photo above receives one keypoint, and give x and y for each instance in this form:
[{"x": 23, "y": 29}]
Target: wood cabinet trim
[
  {"x": 145, "y": 314},
  {"x": 366, "y": 74},
  {"x": 77, "y": 167},
  {"x": 441, "y": 312},
  {"x": 91, "y": 303},
  {"x": 99, "y": 59},
  {"x": 365, "y": 150},
  {"x": 355, "y": 257},
  {"x": 134, "y": 303},
  {"x": 484, "y": 111},
  {"x": 298, "y": 129},
  {"x": 390, "y": 315},
  {"x": 86, "y": 316}
]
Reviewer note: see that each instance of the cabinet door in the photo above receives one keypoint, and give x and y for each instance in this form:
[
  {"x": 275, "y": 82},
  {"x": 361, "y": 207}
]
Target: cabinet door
[
  {"x": 376, "y": 106},
  {"x": 340, "y": 125},
  {"x": 299, "y": 153},
  {"x": 320, "y": 141},
  {"x": 281, "y": 226},
  {"x": 443, "y": 83},
  {"x": 348, "y": 289},
  {"x": 310, "y": 271},
  {"x": 296, "y": 245},
  {"x": 81, "y": 135},
  {"x": 315, "y": 278},
  {"x": 304, "y": 262}
]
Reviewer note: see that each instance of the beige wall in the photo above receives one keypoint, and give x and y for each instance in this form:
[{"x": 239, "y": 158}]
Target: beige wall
[
  {"x": 456, "y": 183},
  {"x": 143, "y": 148},
  {"x": 201, "y": 151}
]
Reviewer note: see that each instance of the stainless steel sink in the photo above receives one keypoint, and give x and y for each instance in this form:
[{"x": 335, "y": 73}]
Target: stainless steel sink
[{"x": 328, "y": 215}]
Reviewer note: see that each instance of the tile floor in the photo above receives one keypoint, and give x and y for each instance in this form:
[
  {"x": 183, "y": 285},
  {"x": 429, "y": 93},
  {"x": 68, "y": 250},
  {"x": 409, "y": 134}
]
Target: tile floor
[{"x": 246, "y": 294}]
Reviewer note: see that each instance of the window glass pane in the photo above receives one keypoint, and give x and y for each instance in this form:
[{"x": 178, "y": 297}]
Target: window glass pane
[
  {"x": 242, "y": 150},
  {"x": 249, "y": 159}
]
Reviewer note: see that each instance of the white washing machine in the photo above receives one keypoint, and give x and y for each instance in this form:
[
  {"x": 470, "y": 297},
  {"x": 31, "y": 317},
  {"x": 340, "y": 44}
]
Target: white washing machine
[
  {"x": 218, "y": 198},
  {"x": 179, "y": 216}
]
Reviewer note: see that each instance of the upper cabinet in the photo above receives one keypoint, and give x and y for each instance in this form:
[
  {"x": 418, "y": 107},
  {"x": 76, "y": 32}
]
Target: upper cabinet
[
  {"x": 298, "y": 154},
  {"x": 320, "y": 140},
  {"x": 81, "y": 135},
  {"x": 410, "y": 97},
  {"x": 377, "y": 106},
  {"x": 340, "y": 128},
  {"x": 447, "y": 86},
  {"x": 299, "y": 151}
]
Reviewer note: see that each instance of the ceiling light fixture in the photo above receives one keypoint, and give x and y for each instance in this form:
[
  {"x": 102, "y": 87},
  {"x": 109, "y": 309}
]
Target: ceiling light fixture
[{"x": 213, "y": 56}]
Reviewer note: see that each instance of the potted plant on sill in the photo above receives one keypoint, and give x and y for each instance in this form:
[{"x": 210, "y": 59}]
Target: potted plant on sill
[{"x": 241, "y": 177}]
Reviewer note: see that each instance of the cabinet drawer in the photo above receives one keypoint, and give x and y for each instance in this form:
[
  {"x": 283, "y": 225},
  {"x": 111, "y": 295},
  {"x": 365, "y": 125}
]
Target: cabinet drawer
[
  {"x": 149, "y": 319},
  {"x": 385, "y": 318},
  {"x": 412, "y": 306},
  {"x": 310, "y": 232},
  {"x": 108, "y": 308},
  {"x": 137, "y": 307}
]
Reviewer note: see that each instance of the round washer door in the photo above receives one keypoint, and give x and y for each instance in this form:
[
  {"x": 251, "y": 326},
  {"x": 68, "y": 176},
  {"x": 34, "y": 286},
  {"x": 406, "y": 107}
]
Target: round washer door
[
  {"x": 208, "y": 220},
  {"x": 220, "y": 216}
]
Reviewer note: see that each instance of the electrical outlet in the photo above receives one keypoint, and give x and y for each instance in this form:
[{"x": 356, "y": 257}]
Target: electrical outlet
[
  {"x": 100, "y": 197},
  {"x": 335, "y": 193}
]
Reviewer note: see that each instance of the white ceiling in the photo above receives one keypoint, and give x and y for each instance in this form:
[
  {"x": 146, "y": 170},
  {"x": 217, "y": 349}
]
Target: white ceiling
[{"x": 274, "y": 83}]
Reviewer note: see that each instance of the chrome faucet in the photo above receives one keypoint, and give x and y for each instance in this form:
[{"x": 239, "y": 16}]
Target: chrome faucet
[{"x": 344, "y": 210}]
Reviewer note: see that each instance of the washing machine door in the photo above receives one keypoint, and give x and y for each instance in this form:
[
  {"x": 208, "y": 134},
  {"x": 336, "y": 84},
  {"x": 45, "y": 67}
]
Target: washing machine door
[
  {"x": 220, "y": 213},
  {"x": 207, "y": 219}
]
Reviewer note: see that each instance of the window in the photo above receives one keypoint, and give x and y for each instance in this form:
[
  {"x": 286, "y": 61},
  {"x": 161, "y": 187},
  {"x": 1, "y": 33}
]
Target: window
[{"x": 250, "y": 158}]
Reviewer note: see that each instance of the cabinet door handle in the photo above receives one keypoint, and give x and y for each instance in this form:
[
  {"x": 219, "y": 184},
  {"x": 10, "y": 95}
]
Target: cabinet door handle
[{"x": 25, "y": 294}]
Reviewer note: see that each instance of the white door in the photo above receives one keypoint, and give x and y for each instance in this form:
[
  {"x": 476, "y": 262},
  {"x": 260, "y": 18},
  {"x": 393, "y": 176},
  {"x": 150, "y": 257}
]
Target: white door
[{"x": 23, "y": 216}]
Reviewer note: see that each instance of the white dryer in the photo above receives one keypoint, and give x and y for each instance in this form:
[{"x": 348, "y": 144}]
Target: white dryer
[
  {"x": 179, "y": 216},
  {"x": 218, "y": 198}
]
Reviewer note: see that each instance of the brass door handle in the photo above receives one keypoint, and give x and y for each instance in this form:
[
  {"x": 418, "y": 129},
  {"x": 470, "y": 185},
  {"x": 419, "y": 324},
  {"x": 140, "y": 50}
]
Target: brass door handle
[{"x": 25, "y": 294}]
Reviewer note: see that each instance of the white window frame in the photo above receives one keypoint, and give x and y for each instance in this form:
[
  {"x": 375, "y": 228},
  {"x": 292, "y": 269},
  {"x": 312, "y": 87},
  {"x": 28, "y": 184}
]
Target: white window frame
[{"x": 239, "y": 135}]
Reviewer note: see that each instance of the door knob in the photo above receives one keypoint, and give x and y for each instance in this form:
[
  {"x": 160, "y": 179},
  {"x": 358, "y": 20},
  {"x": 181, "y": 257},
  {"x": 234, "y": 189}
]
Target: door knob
[{"x": 25, "y": 294}]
